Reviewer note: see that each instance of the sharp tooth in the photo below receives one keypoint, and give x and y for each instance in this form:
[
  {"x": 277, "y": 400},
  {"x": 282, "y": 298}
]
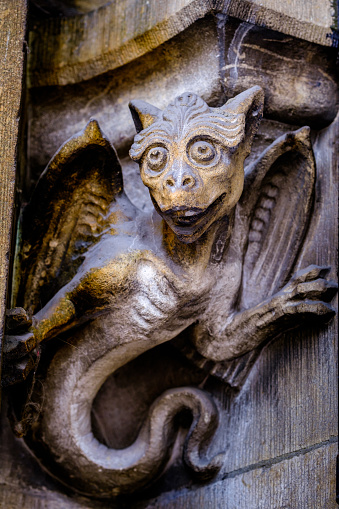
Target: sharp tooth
[{"x": 190, "y": 213}]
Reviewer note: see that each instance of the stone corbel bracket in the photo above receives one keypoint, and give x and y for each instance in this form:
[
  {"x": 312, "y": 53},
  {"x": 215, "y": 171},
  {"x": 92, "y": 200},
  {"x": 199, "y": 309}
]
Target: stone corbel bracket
[{"x": 70, "y": 50}]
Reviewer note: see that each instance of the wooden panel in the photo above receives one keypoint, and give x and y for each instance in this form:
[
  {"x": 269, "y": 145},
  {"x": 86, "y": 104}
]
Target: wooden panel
[
  {"x": 12, "y": 33},
  {"x": 304, "y": 481},
  {"x": 68, "y": 50},
  {"x": 320, "y": 12}
]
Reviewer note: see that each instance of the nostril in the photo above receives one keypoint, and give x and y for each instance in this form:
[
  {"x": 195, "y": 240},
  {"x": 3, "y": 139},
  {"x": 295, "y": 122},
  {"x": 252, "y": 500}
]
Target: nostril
[
  {"x": 170, "y": 182},
  {"x": 188, "y": 182}
]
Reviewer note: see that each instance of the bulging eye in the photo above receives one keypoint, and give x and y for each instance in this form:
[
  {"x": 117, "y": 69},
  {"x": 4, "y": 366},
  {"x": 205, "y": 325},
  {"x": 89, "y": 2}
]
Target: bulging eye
[
  {"x": 202, "y": 152},
  {"x": 156, "y": 158}
]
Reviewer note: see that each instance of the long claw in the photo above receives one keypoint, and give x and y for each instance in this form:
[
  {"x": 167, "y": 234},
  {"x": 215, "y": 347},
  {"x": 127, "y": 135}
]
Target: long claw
[
  {"x": 311, "y": 309},
  {"x": 311, "y": 273},
  {"x": 18, "y": 346},
  {"x": 17, "y": 320},
  {"x": 318, "y": 289}
]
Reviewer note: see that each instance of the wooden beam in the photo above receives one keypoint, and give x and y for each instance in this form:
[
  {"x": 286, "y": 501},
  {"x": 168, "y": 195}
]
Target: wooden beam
[{"x": 12, "y": 36}]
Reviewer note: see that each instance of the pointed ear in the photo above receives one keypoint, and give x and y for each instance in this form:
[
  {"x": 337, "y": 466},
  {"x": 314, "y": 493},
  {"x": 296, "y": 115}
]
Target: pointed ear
[
  {"x": 144, "y": 114},
  {"x": 250, "y": 103}
]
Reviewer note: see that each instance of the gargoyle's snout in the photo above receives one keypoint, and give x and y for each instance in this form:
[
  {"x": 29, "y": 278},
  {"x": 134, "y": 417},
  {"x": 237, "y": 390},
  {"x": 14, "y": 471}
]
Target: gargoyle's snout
[
  {"x": 179, "y": 189},
  {"x": 179, "y": 178},
  {"x": 182, "y": 181}
]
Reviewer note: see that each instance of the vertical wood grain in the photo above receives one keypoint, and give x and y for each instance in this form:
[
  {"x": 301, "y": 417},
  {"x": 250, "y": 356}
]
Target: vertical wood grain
[
  {"x": 12, "y": 34},
  {"x": 305, "y": 481}
]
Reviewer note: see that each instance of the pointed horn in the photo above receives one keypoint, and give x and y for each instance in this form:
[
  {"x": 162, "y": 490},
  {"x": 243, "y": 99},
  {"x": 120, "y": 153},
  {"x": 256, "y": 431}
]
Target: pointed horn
[
  {"x": 144, "y": 114},
  {"x": 253, "y": 98},
  {"x": 251, "y": 104}
]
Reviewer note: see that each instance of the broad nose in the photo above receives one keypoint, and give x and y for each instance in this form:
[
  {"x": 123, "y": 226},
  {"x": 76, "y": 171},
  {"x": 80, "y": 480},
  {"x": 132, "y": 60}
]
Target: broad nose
[{"x": 180, "y": 181}]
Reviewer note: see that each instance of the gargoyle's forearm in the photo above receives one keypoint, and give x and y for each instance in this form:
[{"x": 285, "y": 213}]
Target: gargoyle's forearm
[
  {"x": 299, "y": 301},
  {"x": 243, "y": 332},
  {"x": 53, "y": 319},
  {"x": 57, "y": 316},
  {"x": 70, "y": 306}
]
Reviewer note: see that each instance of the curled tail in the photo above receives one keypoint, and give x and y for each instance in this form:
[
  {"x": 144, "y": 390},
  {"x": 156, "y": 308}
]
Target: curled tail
[{"x": 78, "y": 459}]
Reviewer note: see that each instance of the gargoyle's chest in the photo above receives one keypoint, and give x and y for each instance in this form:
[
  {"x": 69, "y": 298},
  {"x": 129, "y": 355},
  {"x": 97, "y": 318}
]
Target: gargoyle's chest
[
  {"x": 167, "y": 299},
  {"x": 153, "y": 299}
]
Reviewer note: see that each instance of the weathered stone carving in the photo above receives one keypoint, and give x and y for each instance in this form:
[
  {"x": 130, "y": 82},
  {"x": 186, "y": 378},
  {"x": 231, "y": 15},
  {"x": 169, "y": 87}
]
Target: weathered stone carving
[{"x": 215, "y": 259}]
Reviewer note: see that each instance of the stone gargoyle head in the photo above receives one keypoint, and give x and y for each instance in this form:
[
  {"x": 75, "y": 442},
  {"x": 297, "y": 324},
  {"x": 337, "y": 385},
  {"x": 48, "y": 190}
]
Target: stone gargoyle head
[{"x": 192, "y": 157}]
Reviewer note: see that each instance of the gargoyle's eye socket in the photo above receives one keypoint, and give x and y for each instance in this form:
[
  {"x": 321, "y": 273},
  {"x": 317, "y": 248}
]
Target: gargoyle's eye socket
[
  {"x": 156, "y": 158},
  {"x": 202, "y": 152}
]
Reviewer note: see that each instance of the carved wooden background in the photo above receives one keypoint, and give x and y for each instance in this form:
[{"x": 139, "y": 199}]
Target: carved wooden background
[{"x": 280, "y": 430}]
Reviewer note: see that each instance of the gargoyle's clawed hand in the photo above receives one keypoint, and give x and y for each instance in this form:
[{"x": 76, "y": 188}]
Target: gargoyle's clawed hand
[
  {"x": 19, "y": 341},
  {"x": 20, "y": 345},
  {"x": 305, "y": 297},
  {"x": 308, "y": 293},
  {"x": 17, "y": 346}
]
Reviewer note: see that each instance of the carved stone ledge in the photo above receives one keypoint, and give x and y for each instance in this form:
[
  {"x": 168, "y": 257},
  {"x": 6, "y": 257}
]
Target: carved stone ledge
[{"x": 69, "y": 50}]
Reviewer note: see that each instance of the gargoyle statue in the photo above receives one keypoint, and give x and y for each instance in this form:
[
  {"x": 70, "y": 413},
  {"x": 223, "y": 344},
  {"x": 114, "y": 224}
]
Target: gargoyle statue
[{"x": 215, "y": 258}]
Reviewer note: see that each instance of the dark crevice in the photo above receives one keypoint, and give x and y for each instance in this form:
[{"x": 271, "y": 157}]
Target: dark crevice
[
  {"x": 279, "y": 459},
  {"x": 221, "y": 31}
]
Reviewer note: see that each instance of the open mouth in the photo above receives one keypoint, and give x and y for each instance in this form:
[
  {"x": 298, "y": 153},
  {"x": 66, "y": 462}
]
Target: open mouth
[
  {"x": 187, "y": 218},
  {"x": 193, "y": 217}
]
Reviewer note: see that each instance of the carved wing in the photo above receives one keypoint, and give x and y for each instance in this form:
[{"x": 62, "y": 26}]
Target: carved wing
[
  {"x": 275, "y": 209},
  {"x": 271, "y": 222},
  {"x": 68, "y": 213}
]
